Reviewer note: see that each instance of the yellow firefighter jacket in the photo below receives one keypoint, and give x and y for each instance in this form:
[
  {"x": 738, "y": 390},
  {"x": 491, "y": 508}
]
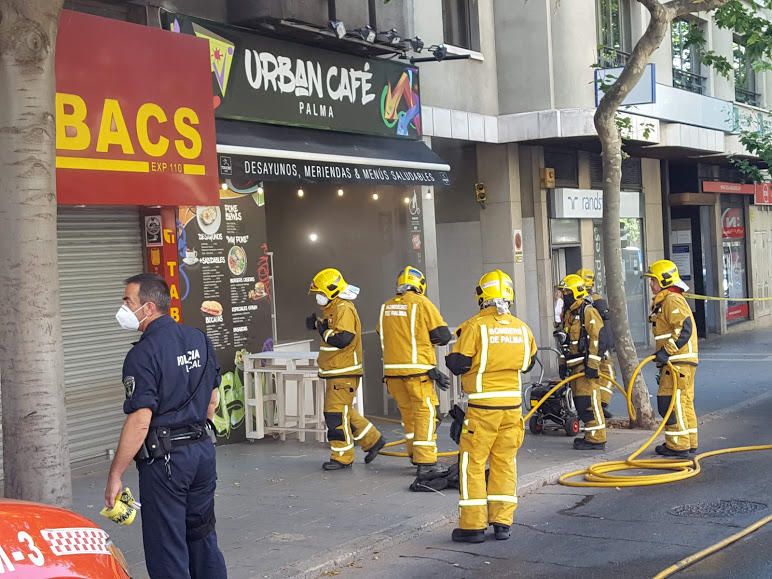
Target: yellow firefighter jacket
[
  {"x": 674, "y": 327},
  {"x": 495, "y": 349},
  {"x": 405, "y": 325},
  {"x": 341, "y": 316},
  {"x": 585, "y": 343}
]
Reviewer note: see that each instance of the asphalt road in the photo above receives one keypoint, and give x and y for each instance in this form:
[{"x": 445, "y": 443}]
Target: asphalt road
[{"x": 572, "y": 532}]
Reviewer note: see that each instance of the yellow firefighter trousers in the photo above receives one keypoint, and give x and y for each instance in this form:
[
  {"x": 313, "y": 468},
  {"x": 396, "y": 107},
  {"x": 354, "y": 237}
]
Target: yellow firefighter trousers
[
  {"x": 681, "y": 429},
  {"x": 489, "y": 436},
  {"x": 587, "y": 400},
  {"x": 345, "y": 426},
  {"x": 417, "y": 401},
  {"x": 607, "y": 387}
]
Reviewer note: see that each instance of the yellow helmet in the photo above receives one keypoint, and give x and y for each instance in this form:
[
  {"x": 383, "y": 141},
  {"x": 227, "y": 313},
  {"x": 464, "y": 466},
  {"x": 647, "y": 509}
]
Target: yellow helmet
[
  {"x": 495, "y": 284},
  {"x": 666, "y": 273},
  {"x": 575, "y": 284},
  {"x": 413, "y": 277},
  {"x": 329, "y": 282},
  {"x": 588, "y": 276}
]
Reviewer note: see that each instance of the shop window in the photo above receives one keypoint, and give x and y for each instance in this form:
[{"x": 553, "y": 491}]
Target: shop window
[
  {"x": 614, "y": 38},
  {"x": 744, "y": 76},
  {"x": 632, "y": 173},
  {"x": 686, "y": 56},
  {"x": 566, "y": 165},
  {"x": 461, "y": 23}
]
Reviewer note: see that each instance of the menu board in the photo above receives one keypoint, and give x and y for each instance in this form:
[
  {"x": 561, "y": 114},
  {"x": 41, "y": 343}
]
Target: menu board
[{"x": 225, "y": 290}]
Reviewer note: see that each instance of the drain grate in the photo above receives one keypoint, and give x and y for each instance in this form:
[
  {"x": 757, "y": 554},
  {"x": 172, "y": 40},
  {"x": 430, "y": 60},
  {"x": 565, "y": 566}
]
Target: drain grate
[{"x": 728, "y": 508}]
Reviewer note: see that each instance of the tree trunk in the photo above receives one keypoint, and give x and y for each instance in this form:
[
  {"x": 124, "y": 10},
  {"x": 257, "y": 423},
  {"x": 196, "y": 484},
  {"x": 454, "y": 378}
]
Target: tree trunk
[
  {"x": 36, "y": 455},
  {"x": 611, "y": 141}
]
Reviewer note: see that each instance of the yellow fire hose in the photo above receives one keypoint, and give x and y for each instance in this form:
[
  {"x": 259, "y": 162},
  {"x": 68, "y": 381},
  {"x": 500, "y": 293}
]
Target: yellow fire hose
[{"x": 600, "y": 474}]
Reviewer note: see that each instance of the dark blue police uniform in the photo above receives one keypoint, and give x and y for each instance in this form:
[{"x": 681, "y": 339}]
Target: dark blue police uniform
[{"x": 172, "y": 370}]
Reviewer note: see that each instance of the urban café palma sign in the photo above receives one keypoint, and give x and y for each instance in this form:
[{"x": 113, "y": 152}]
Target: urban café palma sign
[
  {"x": 266, "y": 80},
  {"x": 134, "y": 122}
]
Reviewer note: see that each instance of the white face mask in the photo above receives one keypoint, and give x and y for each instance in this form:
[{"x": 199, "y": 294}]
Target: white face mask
[
  {"x": 127, "y": 320},
  {"x": 322, "y": 300}
]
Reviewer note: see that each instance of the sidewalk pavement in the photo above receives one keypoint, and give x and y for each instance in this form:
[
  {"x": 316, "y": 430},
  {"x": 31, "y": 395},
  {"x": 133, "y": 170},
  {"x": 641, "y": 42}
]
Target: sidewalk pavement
[{"x": 280, "y": 515}]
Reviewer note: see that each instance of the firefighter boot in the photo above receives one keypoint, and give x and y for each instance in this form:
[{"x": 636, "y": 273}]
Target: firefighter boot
[
  {"x": 501, "y": 532},
  {"x": 468, "y": 535},
  {"x": 335, "y": 465},
  {"x": 373, "y": 451},
  {"x": 584, "y": 444}
]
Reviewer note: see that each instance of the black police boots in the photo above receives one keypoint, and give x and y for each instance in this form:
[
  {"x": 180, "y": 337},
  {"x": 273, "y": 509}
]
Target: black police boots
[
  {"x": 664, "y": 450},
  {"x": 468, "y": 536},
  {"x": 582, "y": 444},
  {"x": 501, "y": 532},
  {"x": 374, "y": 450},
  {"x": 335, "y": 465}
]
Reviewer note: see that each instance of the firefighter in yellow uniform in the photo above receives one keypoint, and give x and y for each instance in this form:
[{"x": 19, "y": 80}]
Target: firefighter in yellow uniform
[
  {"x": 675, "y": 337},
  {"x": 410, "y": 326},
  {"x": 606, "y": 365},
  {"x": 493, "y": 349},
  {"x": 585, "y": 348},
  {"x": 340, "y": 364}
]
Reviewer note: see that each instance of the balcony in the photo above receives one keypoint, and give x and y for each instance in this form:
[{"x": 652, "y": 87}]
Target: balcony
[
  {"x": 611, "y": 57},
  {"x": 747, "y": 97},
  {"x": 689, "y": 81}
]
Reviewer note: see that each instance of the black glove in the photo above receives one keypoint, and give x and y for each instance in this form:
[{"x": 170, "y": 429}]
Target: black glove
[
  {"x": 458, "y": 414},
  {"x": 661, "y": 356},
  {"x": 590, "y": 373},
  {"x": 311, "y": 322},
  {"x": 440, "y": 379},
  {"x": 322, "y": 326},
  {"x": 560, "y": 337},
  {"x": 563, "y": 371}
]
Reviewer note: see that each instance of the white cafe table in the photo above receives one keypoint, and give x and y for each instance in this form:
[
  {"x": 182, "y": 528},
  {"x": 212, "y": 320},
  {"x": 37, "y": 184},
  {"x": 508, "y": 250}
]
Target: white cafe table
[{"x": 284, "y": 395}]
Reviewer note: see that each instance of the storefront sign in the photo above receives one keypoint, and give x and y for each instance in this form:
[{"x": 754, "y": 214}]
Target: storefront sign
[
  {"x": 588, "y": 204},
  {"x": 161, "y": 255},
  {"x": 262, "y": 79},
  {"x": 763, "y": 194},
  {"x": 246, "y": 169},
  {"x": 732, "y": 223},
  {"x": 134, "y": 122},
  {"x": 730, "y": 188}
]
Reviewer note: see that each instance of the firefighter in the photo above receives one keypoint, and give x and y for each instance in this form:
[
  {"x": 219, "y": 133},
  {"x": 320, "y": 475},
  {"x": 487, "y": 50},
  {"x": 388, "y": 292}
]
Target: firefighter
[
  {"x": 493, "y": 349},
  {"x": 675, "y": 337},
  {"x": 340, "y": 364},
  {"x": 606, "y": 366},
  {"x": 410, "y": 326},
  {"x": 585, "y": 348}
]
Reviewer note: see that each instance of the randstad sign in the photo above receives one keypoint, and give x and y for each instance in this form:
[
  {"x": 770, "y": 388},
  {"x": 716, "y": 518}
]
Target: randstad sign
[
  {"x": 588, "y": 204},
  {"x": 262, "y": 79},
  {"x": 134, "y": 121}
]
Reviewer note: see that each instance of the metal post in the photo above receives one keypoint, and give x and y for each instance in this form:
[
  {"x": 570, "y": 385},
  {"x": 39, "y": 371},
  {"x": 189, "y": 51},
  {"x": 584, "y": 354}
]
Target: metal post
[{"x": 273, "y": 303}]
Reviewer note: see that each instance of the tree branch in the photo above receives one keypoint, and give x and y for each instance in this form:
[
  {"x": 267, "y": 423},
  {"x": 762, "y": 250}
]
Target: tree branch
[{"x": 678, "y": 8}]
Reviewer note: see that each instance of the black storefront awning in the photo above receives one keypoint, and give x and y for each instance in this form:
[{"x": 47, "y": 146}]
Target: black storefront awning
[{"x": 257, "y": 152}]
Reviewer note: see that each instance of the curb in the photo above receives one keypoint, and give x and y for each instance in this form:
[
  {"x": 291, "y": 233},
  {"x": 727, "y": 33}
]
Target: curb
[{"x": 403, "y": 532}]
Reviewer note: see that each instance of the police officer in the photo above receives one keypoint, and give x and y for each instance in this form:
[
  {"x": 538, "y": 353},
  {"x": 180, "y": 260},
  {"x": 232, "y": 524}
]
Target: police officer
[
  {"x": 340, "y": 364},
  {"x": 586, "y": 346},
  {"x": 410, "y": 326},
  {"x": 171, "y": 376},
  {"x": 675, "y": 337},
  {"x": 493, "y": 349},
  {"x": 606, "y": 366}
]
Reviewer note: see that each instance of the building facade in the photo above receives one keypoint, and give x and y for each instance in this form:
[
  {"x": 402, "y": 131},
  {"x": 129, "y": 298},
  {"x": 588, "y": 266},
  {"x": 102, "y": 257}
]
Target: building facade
[{"x": 505, "y": 101}]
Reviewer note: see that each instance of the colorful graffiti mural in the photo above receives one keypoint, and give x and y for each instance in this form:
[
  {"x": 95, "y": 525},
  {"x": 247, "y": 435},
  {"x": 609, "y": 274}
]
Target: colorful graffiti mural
[{"x": 401, "y": 105}]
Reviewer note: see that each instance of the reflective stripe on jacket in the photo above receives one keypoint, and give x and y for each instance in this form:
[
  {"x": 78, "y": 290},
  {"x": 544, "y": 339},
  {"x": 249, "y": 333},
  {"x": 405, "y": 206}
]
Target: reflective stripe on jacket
[
  {"x": 674, "y": 328},
  {"x": 500, "y": 347},
  {"x": 404, "y": 326},
  {"x": 341, "y": 316}
]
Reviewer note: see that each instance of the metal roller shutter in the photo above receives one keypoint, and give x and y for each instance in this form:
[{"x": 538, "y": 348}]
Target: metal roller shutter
[{"x": 98, "y": 249}]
